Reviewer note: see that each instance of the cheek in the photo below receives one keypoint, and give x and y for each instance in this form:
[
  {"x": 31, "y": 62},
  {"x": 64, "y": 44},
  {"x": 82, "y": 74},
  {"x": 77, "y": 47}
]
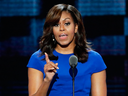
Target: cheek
[
  {"x": 72, "y": 31},
  {"x": 55, "y": 31}
]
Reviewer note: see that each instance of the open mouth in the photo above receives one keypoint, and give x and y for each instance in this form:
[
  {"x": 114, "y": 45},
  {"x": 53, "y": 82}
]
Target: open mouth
[{"x": 63, "y": 36}]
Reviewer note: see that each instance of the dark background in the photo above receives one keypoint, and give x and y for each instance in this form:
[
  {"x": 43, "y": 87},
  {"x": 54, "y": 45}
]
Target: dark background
[{"x": 21, "y": 25}]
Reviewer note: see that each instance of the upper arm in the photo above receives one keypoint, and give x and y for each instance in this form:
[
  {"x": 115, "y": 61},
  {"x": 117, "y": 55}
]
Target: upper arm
[
  {"x": 99, "y": 87},
  {"x": 35, "y": 79}
]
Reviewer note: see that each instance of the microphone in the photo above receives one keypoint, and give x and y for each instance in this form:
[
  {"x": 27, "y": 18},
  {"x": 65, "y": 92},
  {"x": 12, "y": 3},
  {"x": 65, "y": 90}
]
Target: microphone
[{"x": 73, "y": 60}]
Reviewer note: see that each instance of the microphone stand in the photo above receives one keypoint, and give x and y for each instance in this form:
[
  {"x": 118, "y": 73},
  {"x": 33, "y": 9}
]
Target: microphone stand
[
  {"x": 73, "y": 60},
  {"x": 73, "y": 79}
]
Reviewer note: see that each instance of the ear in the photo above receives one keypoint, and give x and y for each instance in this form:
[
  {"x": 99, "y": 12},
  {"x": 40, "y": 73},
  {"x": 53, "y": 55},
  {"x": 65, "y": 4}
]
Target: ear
[{"x": 76, "y": 28}]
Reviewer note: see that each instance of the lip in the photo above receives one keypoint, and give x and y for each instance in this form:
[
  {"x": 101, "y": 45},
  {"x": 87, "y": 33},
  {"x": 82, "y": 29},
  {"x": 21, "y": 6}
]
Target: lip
[{"x": 63, "y": 36}]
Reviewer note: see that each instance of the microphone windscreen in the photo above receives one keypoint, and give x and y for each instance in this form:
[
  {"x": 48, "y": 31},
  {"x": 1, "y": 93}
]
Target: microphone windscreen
[{"x": 73, "y": 60}]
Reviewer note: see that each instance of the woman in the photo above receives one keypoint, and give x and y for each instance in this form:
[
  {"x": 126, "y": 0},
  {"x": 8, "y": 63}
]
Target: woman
[{"x": 49, "y": 71}]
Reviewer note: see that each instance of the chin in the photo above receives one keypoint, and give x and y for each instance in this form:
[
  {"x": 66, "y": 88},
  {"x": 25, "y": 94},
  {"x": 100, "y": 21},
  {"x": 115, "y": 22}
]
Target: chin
[{"x": 64, "y": 44}]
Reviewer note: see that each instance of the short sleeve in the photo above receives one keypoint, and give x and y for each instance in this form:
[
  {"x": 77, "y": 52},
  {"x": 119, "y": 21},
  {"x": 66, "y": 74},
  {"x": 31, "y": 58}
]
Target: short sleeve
[
  {"x": 99, "y": 64},
  {"x": 36, "y": 62}
]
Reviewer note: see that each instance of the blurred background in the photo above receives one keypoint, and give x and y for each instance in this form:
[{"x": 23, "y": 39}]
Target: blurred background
[{"x": 21, "y": 25}]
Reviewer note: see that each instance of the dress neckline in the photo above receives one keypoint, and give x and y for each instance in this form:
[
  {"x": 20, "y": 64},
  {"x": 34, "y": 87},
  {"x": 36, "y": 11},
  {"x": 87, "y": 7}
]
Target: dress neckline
[{"x": 62, "y": 53}]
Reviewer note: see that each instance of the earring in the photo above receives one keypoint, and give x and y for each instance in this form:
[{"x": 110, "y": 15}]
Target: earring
[{"x": 53, "y": 38}]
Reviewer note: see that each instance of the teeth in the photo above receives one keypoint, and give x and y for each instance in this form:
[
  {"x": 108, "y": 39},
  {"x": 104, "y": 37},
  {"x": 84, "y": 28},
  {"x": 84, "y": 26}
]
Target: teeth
[{"x": 63, "y": 35}]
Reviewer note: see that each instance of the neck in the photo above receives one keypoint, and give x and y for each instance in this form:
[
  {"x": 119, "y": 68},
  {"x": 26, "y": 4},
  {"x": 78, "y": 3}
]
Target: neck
[{"x": 65, "y": 50}]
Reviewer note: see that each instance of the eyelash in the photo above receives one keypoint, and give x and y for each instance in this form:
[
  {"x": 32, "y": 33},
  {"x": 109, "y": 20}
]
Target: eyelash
[
  {"x": 56, "y": 25},
  {"x": 67, "y": 23}
]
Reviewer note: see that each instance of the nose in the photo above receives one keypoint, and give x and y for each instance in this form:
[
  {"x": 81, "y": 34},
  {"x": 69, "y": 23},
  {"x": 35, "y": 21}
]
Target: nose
[{"x": 62, "y": 28}]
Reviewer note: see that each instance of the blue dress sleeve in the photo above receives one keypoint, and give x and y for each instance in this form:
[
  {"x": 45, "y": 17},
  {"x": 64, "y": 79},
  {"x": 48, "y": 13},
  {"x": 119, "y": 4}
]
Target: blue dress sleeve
[
  {"x": 36, "y": 62},
  {"x": 99, "y": 64}
]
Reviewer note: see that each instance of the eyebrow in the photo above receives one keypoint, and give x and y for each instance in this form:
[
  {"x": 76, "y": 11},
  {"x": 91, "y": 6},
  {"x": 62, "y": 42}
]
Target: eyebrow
[{"x": 65, "y": 19}]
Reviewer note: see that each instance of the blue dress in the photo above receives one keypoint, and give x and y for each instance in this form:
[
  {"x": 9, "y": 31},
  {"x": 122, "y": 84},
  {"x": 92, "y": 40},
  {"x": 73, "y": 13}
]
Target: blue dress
[{"x": 61, "y": 84}]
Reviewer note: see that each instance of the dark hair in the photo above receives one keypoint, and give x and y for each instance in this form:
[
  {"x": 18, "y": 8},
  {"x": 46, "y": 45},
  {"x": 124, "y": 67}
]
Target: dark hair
[{"x": 53, "y": 17}]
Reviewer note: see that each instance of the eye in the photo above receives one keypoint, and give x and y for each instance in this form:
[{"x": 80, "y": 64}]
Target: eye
[
  {"x": 67, "y": 23},
  {"x": 56, "y": 25}
]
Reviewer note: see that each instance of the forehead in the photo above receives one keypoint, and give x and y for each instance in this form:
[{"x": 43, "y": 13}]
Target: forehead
[{"x": 65, "y": 15}]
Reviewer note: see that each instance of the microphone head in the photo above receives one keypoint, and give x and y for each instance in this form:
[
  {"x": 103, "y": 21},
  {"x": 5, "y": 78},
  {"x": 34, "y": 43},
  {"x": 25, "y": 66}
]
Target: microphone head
[{"x": 73, "y": 60}]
